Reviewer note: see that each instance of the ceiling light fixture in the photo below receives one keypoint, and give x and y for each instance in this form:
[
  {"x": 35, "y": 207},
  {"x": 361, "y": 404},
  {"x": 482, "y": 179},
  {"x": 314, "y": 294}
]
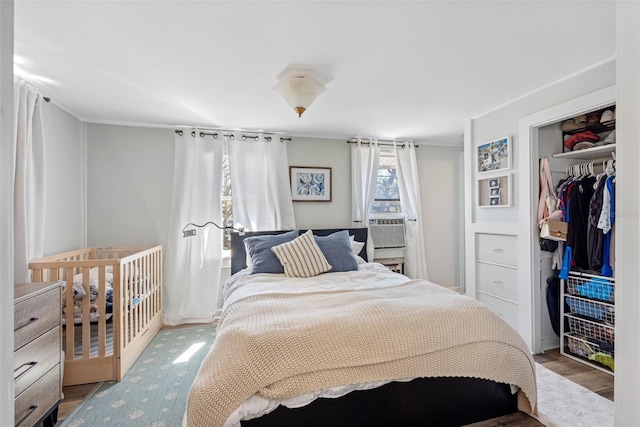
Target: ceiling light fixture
[{"x": 300, "y": 87}]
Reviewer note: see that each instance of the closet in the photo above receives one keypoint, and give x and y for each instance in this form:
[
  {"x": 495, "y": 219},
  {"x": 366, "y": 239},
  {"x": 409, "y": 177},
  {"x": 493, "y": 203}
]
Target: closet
[{"x": 586, "y": 316}]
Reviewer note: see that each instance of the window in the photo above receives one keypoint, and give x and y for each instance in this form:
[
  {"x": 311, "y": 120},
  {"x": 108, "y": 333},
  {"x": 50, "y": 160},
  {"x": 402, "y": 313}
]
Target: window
[
  {"x": 227, "y": 207},
  {"x": 387, "y": 192}
]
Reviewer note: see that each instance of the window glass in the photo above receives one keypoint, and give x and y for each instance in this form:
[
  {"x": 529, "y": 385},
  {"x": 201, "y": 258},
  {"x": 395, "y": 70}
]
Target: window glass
[
  {"x": 387, "y": 192},
  {"x": 227, "y": 207}
]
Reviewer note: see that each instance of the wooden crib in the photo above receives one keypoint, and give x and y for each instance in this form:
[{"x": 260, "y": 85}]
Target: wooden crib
[{"x": 99, "y": 347}]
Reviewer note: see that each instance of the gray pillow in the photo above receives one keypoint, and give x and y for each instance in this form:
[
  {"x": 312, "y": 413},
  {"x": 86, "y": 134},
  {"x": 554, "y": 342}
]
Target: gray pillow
[
  {"x": 337, "y": 250},
  {"x": 263, "y": 260}
]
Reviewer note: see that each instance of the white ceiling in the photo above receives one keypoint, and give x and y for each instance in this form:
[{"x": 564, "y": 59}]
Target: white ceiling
[{"x": 406, "y": 70}]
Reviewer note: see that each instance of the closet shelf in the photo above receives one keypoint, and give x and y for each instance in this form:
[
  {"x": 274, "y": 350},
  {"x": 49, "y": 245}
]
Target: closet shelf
[{"x": 601, "y": 152}]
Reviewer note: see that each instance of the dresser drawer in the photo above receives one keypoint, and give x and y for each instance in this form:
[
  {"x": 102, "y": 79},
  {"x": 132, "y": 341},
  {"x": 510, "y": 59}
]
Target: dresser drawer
[
  {"x": 35, "y": 359},
  {"x": 507, "y": 310},
  {"x": 35, "y": 316},
  {"x": 37, "y": 400},
  {"x": 497, "y": 280},
  {"x": 497, "y": 248}
]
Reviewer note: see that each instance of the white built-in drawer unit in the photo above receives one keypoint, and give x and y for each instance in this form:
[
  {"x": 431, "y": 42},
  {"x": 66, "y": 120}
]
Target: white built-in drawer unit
[
  {"x": 507, "y": 310},
  {"x": 497, "y": 280},
  {"x": 37, "y": 353},
  {"x": 497, "y": 274},
  {"x": 497, "y": 248}
]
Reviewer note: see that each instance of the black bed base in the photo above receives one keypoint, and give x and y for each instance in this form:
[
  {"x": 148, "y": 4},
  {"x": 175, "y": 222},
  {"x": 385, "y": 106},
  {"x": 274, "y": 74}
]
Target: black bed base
[{"x": 422, "y": 402}]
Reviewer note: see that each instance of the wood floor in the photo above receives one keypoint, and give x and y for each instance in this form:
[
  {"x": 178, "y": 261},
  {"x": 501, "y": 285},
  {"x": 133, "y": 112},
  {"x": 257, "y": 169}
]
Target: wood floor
[
  {"x": 596, "y": 381},
  {"x": 590, "y": 378}
]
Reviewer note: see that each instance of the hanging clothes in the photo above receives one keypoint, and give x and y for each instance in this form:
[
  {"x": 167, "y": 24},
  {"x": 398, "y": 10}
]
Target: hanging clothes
[
  {"x": 595, "y": 236},
  {"x": 579, "y": 205},
  {"x": 588, "y": 204},
  {"x": 607, "y": 270}
]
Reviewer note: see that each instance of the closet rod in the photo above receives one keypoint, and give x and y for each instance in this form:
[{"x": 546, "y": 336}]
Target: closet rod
[
  {"x": 230, "y": 136},
  {"x": 380, "y": 142}
]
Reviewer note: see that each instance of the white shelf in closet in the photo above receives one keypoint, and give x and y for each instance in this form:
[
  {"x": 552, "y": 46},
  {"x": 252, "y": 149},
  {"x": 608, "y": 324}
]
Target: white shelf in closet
[{"x": 588, "y": 153}]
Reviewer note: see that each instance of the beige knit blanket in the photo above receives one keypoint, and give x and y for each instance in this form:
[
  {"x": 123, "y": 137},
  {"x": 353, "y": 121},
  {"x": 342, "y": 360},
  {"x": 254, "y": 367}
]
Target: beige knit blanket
[{"x": 283, "y": 344}]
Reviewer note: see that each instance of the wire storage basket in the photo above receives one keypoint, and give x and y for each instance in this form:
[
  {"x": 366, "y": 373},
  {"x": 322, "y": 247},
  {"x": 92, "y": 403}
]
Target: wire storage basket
[
  {"x": 588, "y": 313},
  {"x": 600, "y": 288},
  {"x": 588, "y": 349},
  {"x": 591, "y": 308}
]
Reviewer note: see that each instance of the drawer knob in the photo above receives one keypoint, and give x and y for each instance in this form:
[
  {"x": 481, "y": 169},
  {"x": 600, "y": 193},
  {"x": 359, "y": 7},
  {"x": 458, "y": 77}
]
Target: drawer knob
[
  {"x": 497, "y": 250},
  {"x": 30, "y": 321},
  {"x": 27, "y": 365},
  {"x": 498, "y": 282},
  {"x": 30, "y": 411}
]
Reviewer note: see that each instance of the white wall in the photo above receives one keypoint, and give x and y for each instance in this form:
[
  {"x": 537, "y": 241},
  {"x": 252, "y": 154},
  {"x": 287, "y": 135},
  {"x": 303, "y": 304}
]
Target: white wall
[
  {"x": 129, "y": 184},
  {"x": 64, "y": 140},
  {"x": 439, "y": 168},
  {"x": 130, "y": 172},
  {"x": 332, "y": 153},
  {"x": 7, "y": 156},
  {"x": 627, "y": 390},
  {"x": 503, "y": 121}
]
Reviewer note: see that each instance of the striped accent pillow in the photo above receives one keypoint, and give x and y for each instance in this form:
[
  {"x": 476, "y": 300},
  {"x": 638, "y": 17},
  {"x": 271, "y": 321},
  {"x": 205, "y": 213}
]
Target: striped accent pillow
[{"x": 302, "y": 257}]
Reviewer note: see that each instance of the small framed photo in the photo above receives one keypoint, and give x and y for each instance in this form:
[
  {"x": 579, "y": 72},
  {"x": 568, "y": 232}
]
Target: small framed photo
[
  {"x": 495, "y": 192},
  {"x": 494, "y": 156},
  {"x": 310, "y": 184}
]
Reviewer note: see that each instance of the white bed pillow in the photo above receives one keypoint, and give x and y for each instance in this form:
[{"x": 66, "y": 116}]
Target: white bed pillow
[
  {"x": 356, "y": 246},
  {"x": 302, "y": 257}
]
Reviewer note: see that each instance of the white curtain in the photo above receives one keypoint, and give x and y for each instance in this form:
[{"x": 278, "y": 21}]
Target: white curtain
[
  {"x": 192, "y": 264},
  {"x": 29, "y": 184},
  {"x": 260, "y": 189},
  {"x": 365, "y": 159},
  {"x": 409, "y": 185}
]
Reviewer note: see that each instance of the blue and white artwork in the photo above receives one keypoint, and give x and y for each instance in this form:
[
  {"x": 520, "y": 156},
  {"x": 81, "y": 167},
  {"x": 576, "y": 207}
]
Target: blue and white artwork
[{"x": 310, "y": 184}]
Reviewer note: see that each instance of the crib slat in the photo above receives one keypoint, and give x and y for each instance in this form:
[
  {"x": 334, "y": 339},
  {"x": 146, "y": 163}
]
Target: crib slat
[
  {"x": 69, "y": 317},
  {"x": 86, "y": 314},
  {"x": 102, "y": 305}
]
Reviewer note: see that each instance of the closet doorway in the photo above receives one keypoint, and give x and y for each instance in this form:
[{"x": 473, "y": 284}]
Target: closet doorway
[{"x": 540, "y": 136}]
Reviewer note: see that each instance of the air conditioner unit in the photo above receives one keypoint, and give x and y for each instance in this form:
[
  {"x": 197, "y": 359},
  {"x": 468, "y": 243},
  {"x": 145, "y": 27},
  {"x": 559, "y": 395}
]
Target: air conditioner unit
[{"x": 387, "y": 232}]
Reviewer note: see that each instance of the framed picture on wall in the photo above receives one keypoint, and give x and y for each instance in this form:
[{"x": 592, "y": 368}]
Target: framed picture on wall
[
  {"x": 494, "y": 156},
  {"x": 495, "y": 192},
  {"x": 310, "y": 184}
]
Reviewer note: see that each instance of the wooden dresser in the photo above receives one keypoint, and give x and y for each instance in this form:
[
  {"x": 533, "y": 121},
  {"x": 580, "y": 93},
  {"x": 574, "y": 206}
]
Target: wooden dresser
[{"x": 37, "y": 353}]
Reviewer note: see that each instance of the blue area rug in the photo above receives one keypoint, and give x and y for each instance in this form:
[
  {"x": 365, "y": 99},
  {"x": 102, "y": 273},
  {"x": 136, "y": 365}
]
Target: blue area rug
[{"x": 154, "y": 391}]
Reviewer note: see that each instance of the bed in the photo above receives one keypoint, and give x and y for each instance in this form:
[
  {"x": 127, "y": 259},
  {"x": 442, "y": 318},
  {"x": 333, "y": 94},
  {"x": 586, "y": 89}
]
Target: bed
[
  {"x": 111, "y": 307},
  {"x": 358, "y": 347}
]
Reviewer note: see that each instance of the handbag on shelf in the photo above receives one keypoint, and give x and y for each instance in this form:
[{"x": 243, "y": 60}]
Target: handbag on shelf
[{"x": 554, "y": 230}]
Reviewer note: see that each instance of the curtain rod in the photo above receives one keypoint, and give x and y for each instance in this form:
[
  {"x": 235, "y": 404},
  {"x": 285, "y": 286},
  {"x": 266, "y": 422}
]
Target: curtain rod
[
  {"x": 381, "y": 142},
  {"x": 230, "y": 136}
]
